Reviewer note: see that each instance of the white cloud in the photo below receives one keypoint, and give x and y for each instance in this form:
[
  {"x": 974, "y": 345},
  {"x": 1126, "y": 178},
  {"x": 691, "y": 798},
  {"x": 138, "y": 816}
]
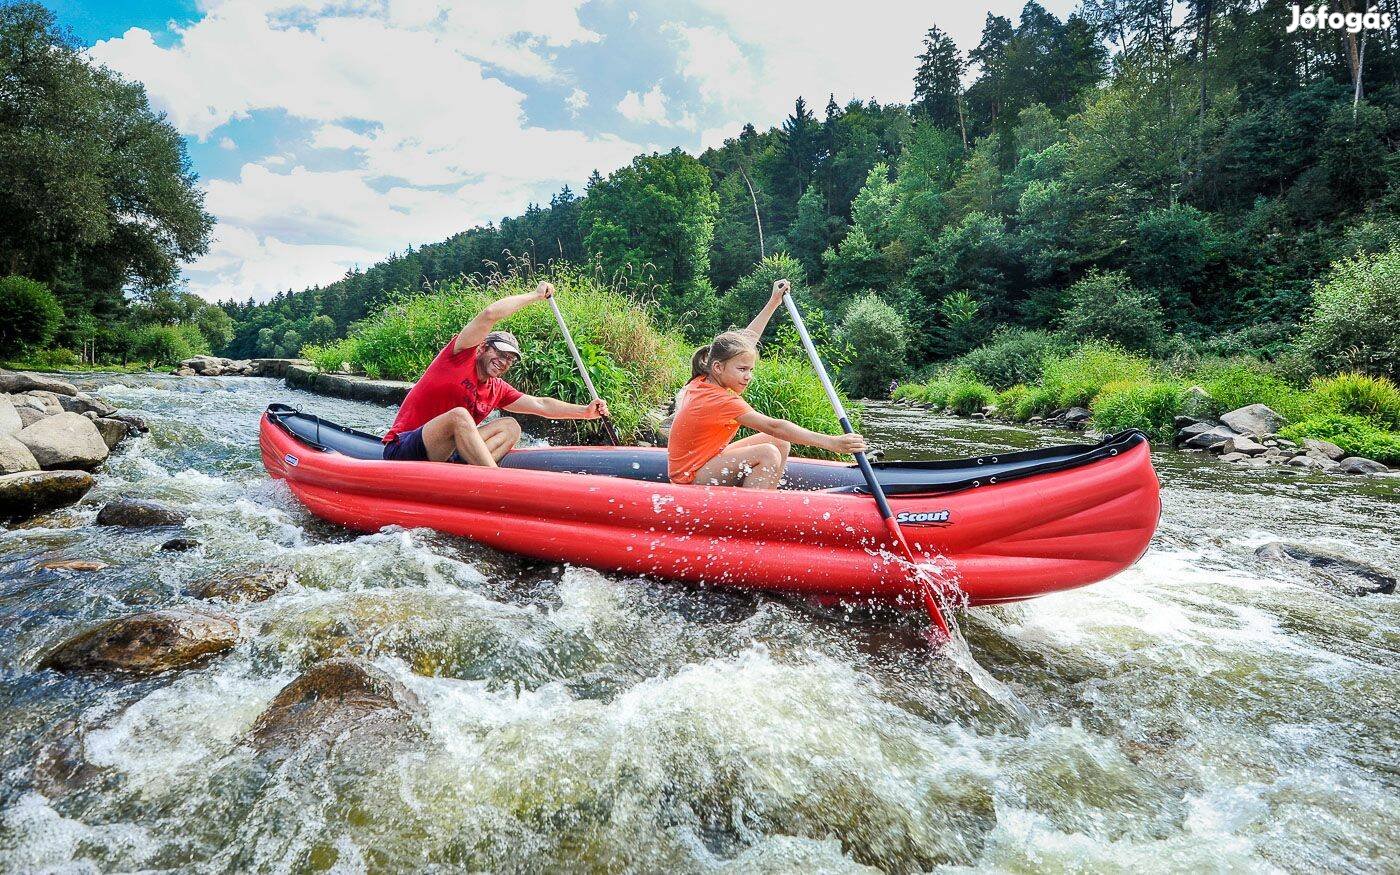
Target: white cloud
[
  {"x": 648, "y": 108},
  {"x": 576, "y": 101},
  {"x": 228, "y": 143},
  {"x": 403, "y": 87}
]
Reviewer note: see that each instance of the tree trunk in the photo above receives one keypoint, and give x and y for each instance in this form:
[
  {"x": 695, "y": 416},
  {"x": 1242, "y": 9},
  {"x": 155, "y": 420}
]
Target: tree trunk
[{"x": 1205, "y": 10}]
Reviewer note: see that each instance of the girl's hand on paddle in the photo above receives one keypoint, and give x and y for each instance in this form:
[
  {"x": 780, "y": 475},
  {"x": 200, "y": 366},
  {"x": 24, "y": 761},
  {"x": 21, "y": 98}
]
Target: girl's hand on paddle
[
  {"x": 597, "y": 409},
  {"x": 544, "y": 291},
  {"x": 847, "y": 444},
  {"x": 780, "y": 288}
]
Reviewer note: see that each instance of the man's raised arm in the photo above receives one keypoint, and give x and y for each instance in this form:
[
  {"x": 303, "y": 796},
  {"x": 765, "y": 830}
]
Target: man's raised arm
[{"x": 475, "y": 331}]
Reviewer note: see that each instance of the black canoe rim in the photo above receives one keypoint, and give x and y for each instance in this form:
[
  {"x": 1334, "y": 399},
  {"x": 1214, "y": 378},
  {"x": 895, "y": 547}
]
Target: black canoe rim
[{"x": 897, "y": 478}]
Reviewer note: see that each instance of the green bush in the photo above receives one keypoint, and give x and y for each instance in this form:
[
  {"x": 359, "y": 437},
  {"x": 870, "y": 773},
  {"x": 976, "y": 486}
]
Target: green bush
[
  {"x": 1150, "y": 407},
  {"x": 1107, "y": 306},
  {"x": 1077, "y": 377},
  {"x": 1239, "y": 382},
  {"x": 933, "y": 392},
  {"x": 1374, "y": 398},
  {"x": 52, "y": 359},
  {"x": 877, "y": 337},
  {"x": 967, "y": 397},
  {"x": 32, "y": 315},
  {"x": 1011, "y": 356},
  {"x": 168, "y": 344},
  {"x": 1356, "y": 435},
  {"x": 1355, "y": 321},
  {"x": 1010, "y": 399},
  {"x": 1038, "y": 401}
]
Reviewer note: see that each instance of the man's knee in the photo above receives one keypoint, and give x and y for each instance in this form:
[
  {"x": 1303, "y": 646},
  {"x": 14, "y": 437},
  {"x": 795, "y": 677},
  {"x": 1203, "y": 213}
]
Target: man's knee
[
  {"x": 461, "y": 419},
  {"x": 511, "y": 426}
]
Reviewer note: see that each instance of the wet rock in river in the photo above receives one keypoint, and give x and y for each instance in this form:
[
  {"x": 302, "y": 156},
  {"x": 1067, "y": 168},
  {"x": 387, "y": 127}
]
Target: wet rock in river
[
  {"x": 1235, "y": 457},
  {"x": 131, "y": 419},
  {"x": 75, "y": 565},
  {"x": 1254, "y": 419},
  {"x": 113, "y": 431},
  {"x": 179, "y": 545},
  {"x": 1242, "y": 444},
  {"x": 1340, "y": 572},
  {"x": 1359, "y": 465},
  {"x": 68, "y": 440},
  {"x": 134, "y": 513},
  {"x": 61, "y": 766},
  {"x": 248, "y": 586},
  {"x": 30, "y": 492},
  {"x": 147, "y": 643},
  {"x": 23, "y": 381},
  {"x": 46, "y": 403},
  {"x": 332, "y": 698},
  {"x": 1209, "y": 440},
  {"x": 15, "y": 456},
  {"x": 84, "y": 403}
]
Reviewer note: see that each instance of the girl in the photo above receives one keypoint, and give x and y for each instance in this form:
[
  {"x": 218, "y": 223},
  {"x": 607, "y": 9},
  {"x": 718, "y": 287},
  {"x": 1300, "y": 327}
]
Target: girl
[{"x": 710, "y": 411}]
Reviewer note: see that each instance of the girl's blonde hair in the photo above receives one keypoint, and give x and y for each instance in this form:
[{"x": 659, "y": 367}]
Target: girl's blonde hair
[{"x": 723, "y": 348}]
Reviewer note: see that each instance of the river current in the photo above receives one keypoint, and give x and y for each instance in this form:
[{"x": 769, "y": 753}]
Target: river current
[{"x": 1205, "y": 711}]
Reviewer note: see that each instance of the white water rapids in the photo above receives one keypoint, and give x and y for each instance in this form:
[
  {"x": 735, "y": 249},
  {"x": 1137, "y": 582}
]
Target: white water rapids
[{"x": 1204, "y": 711}]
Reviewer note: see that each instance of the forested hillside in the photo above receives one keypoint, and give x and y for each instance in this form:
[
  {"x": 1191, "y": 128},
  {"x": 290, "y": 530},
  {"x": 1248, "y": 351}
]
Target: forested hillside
[{"x": 1210, "y": 163}]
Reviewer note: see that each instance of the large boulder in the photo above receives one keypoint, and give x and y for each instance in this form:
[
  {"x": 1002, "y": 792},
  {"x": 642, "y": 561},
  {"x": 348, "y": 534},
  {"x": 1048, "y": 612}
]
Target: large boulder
[
  {"x": 1197, "y": 403},
  {"x": 1324, "y": 448},
  {"x": 1210, "y": 440},
  {"x": 68, "y": 440},
  {"x": 9, "y": 416},
  {"x": 135, "y": 513},
  {"x": 44, "y": 402},
  {"x": 15, "y": 456},
  {"x": 113, "y": 431},
  {"x": 84, "y": 403},
  {"x": 30, "y": 492},
  {"x": 1339, "y": 572},
  {"x": 147, "y": 643},
  {"x": 330, "y": 699},
  {"x": 131, "y": 419},
  {"x": 1359, "y": 465},
  {"x": 206, "y": 365},
  {"x": 1254, "y": 419},
  {"x": 23, "y": 381}
]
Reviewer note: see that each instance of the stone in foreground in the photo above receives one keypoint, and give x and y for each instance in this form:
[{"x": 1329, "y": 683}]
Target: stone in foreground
[
  {"x": 331, "y": 698},
  {"x": 1325, "y": 448},
  {"x": 75, "y": 565},
  {"x": 113, "y": 431},
  {"x": 68, "y": 440},
  {"x": 147, "y": 643},
  {"x": 84, "y": 403},
  {"x": 1254, "y": 419},
  {"x": 1339, "y": 571},
  {"x": 1359, "y": 465},
  {"x": 15, "y": 456},
  {"x": 1242, "y": 444},
  {"x": 249, "y": 586},
  {"x": 9, "y": 416},
  {"x": 30, "y": 492},
  {"x": 135, "y": 513}
]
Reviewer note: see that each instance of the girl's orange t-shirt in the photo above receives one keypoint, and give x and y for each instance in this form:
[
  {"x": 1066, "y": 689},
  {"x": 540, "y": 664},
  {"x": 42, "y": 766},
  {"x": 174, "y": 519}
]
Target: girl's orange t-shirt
[{"x": 706, "y": 421}]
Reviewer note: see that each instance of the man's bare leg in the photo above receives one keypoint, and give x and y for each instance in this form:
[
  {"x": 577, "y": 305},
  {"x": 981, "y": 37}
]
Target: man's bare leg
[
  {"x": 501, "y": 436},
  {"x": 456, "y": 431}
]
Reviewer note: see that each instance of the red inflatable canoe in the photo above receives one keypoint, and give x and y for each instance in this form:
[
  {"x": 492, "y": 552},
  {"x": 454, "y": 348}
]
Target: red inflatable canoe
[{"x": 1001, "y": 528}]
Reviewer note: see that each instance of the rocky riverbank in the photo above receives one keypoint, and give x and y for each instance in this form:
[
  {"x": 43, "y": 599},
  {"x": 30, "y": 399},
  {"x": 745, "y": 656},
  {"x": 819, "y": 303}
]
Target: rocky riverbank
[
  {"x": 1247, "y": 436},
  {"x": 52, "y": 437}
]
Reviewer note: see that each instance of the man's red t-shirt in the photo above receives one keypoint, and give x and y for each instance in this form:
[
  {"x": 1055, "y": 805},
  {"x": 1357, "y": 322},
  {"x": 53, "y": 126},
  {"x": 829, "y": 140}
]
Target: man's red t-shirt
[{"x": 450, "y": 381}]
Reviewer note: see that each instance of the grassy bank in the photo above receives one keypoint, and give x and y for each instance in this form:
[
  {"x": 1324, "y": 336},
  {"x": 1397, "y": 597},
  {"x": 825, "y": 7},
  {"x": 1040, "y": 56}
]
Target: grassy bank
[
  {"x": 635, "y": 364},
  {"x": 1360, "y": 414}
]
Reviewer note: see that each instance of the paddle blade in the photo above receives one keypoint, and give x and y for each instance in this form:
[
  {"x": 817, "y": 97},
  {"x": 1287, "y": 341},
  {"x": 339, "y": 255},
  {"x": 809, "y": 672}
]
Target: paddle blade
[{"x": 935, "y": 613}]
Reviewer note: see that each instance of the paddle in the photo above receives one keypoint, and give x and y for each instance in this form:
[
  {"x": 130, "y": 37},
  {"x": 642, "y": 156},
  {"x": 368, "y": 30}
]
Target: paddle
[
  {"x": 578, "y": 360},
  {"x": 930, "y": 600}
]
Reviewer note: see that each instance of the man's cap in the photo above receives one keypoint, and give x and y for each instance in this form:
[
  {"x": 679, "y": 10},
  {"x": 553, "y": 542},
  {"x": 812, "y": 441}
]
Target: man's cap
[{"x": 505, "y": 342}]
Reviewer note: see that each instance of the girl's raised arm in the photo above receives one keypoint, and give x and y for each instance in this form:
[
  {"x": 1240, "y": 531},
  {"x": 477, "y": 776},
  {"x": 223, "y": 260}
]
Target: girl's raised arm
[{"x": 760, "y": 322}]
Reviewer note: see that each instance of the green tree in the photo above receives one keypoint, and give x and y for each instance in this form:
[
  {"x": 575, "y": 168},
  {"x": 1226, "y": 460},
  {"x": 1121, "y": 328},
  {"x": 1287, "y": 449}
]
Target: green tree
[
  {"x": 1355, "y": 324},
  {"x": 1107, "y": 306},
  {"x": 96, "y": 193},
  {"x": 291, "y": 341},
  {"x": 938, "y": 81},
  {"x": 321, "y": 329},
  {"x": 813, "y": 231},
  {"x": 877, "y": 338},
  {"x": 961, "y": 326},
  {"x": 32, "y": 315},
  {"x": 216, "y": 326},
  {"x": 655, "y": 218}
]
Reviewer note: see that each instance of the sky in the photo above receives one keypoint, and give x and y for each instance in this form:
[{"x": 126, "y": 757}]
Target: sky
[{"x": 327, "y": 135}]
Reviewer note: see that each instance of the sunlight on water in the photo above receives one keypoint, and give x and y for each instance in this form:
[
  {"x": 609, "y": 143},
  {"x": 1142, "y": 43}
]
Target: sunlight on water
[{"x": 1203, "y": 711}]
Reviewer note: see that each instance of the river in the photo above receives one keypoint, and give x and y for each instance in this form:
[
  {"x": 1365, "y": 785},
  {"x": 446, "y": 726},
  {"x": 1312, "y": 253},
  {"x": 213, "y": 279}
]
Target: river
[{"x": 1203, "y": 711}]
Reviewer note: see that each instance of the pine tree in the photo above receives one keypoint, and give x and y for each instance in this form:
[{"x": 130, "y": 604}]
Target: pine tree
[{"x": 938, "y": 80}]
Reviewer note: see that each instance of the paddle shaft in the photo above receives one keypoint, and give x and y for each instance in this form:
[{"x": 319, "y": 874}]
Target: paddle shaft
[
  {"x": 583, "y": 371},
  {"x": 876, "y": 490}
]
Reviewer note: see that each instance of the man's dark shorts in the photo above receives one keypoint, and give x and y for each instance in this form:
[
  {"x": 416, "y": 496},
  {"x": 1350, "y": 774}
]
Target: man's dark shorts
[{"x": 407, "y": 446}]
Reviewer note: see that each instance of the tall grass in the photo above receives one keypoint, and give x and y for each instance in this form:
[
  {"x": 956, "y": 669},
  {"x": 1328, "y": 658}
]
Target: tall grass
[{"x": 786, "y": 387}]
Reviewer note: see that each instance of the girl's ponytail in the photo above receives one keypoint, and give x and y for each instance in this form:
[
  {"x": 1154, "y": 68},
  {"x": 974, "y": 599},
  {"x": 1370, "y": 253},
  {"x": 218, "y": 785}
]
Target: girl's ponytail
[{"x": 700, "y": 362}]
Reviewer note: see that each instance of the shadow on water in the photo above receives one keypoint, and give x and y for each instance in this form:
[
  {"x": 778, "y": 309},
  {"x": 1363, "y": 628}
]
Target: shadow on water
[{"x": 1205, "y": 710}]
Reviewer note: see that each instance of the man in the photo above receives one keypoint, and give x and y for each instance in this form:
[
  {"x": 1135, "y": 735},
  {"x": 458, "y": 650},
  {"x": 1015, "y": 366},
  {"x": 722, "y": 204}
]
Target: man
[{"x": 442, "y": 414}]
